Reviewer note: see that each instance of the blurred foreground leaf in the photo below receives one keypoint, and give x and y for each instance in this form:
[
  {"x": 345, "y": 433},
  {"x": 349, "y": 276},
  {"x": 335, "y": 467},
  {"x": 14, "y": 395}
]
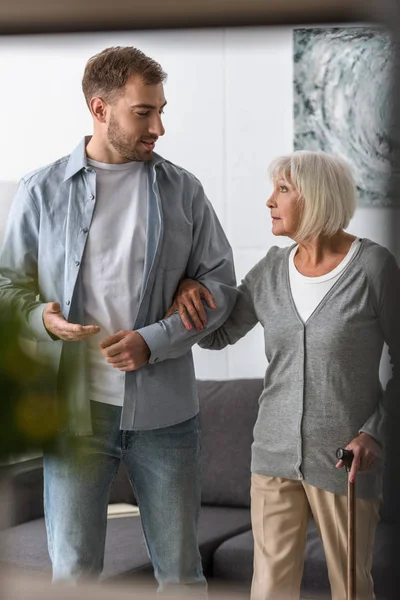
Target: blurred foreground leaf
[{"x": 29, "y": 415}]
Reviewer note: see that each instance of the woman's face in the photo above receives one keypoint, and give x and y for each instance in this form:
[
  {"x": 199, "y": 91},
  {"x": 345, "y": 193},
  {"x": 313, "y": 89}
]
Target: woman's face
[{"x": 285, "y": 208}]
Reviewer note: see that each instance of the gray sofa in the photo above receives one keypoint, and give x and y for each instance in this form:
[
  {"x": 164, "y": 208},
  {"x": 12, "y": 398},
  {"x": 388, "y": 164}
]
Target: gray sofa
[{"x": 228, "y": 413}]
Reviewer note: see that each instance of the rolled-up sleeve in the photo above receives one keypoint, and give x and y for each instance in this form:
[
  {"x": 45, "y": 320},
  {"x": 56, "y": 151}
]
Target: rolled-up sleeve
[
  {"x": 18, "y": 266},
  {"x": 211, "y": 263}
]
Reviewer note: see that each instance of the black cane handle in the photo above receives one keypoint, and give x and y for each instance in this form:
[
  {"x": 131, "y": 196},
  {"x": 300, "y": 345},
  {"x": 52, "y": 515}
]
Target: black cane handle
[{"x": 346, "y": 456}]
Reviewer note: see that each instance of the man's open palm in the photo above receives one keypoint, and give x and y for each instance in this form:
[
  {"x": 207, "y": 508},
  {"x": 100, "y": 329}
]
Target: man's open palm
[{"x": 56, "y": 324}]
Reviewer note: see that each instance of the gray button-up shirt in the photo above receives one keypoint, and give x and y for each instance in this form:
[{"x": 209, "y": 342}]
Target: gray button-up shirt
[{"x": 40, "y": 262}]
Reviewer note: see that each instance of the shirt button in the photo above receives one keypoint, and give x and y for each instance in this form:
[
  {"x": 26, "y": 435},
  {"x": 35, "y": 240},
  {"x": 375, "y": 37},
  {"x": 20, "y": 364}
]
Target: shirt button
[
  {"x": 77, "y": 263},
  {"x": 91, "y": 197},
  {"x": 85, "y": 230},
  {"x": 68, "y": 302}
]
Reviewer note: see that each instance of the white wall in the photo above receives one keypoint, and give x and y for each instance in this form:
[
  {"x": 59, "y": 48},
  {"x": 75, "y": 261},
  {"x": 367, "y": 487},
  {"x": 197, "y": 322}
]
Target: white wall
[{"x": 229, "y": 113}]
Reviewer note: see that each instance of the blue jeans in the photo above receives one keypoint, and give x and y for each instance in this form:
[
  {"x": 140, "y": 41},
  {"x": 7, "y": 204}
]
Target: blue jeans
[{"x": 164, "y": 468}]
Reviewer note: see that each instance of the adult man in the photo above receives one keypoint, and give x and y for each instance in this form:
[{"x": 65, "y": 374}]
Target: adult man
[{"x": 104, "y": 236}]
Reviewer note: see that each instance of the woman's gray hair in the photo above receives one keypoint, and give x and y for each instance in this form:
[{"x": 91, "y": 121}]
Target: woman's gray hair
[{"x": 326, "y": 189}]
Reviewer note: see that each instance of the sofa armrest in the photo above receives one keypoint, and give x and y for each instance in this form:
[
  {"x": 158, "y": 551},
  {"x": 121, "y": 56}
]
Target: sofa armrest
[{"x": 24, "y": 491}]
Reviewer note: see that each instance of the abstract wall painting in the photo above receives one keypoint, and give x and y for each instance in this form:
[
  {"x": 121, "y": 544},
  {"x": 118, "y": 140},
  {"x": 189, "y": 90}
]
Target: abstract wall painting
[{"x": 342, "y": 102}]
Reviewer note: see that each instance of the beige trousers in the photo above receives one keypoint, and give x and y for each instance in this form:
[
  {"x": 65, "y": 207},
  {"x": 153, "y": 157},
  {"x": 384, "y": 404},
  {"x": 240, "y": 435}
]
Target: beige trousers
[{"x": 280, "y": 511}]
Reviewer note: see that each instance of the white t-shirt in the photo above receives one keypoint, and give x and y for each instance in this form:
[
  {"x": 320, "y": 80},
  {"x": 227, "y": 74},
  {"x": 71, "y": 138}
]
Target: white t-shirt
[
  {"x": 112, "y": 267},
  {"x": 308, "y": 292}
]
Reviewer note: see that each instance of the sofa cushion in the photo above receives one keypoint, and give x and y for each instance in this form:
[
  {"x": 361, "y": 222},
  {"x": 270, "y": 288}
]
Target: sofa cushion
[
  {"x": 25, "y": 546},
  {"x": 228, "y": 411},
  {"x": 216, "y": 525},
  {"x": 233, "y": 561}
]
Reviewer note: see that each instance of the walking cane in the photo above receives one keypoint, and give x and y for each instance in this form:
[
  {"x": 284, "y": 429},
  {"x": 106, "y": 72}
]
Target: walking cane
[{"x": 347, "y": 457}]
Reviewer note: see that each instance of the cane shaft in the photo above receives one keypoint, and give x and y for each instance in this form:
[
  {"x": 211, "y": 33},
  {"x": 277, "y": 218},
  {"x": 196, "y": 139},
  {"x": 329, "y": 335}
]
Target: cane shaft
[{"x": 351, "y": 542}]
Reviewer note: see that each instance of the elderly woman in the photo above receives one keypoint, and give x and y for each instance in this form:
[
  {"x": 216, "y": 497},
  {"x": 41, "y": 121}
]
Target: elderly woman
[{"x": 327, "y": 303}]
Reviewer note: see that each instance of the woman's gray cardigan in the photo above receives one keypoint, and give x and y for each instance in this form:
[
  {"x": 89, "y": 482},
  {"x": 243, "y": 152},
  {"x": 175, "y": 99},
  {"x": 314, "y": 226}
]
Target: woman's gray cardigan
[{"x": 322, "y": 385}]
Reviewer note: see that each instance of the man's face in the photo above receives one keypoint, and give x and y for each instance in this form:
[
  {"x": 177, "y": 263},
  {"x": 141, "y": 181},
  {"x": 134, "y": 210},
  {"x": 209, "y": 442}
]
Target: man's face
[{"x": 134, "y": 121}]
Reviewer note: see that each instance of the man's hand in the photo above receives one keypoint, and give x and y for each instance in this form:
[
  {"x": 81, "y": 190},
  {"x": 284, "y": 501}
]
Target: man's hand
[
  {"x": 69, "y": 332},
  {"x": 125, "y": 350},
  {"x": 188, "y": 303},
  {"x": 367, "y": 453}
]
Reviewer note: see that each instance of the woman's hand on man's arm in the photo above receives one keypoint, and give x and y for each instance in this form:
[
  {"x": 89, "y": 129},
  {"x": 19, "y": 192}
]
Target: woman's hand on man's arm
[{"x": 188, "y": 302}]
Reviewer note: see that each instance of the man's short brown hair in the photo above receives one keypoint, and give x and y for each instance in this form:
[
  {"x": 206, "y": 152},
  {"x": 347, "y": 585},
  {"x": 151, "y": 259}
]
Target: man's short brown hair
[{"x": 106, "y": 73}]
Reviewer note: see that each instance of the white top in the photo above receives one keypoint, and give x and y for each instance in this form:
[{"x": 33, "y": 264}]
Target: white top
[
  {"x": 308, "y": 292},
  {"x": 112, "y": 267}
]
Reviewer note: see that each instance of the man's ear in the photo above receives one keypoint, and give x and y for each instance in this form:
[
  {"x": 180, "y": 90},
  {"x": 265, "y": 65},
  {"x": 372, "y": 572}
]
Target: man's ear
[{"x": 98, "y": 108}]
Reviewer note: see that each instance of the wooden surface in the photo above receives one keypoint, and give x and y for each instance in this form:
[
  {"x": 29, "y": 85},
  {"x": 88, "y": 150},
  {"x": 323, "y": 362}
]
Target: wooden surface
[
  {"x": 38, "y": 16},
  {"x": 351, "y": 542}
]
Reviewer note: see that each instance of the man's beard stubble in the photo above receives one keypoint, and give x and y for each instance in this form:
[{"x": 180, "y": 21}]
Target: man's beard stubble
[{"x": 119, "y": 142}]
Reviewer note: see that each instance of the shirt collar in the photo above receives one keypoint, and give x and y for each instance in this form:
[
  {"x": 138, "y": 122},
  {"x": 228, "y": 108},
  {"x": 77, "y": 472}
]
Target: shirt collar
[{"x": 78, "y": 159}]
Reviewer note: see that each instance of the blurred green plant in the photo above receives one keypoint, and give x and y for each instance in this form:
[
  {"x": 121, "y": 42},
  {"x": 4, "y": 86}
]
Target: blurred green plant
[{"x": 30, "y": 417}]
